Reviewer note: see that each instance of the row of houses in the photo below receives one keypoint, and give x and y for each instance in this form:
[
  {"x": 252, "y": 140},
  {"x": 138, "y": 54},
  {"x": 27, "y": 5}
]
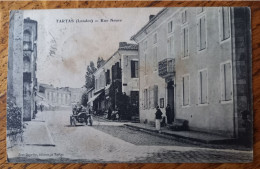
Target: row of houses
[
  {"x": 117, "y": 82},
  {"x": 197, "y": 60}
]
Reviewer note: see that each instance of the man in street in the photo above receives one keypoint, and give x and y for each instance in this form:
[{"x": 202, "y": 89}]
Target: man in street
[{"x": 158, "y": 118}]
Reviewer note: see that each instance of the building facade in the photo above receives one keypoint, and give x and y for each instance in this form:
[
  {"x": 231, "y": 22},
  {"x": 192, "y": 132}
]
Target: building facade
[
  {"x": 197, "y": 60},
  {"x": 118, "y": 79},
  {"x": 61, "y": 96},
  {"x": 23, "y": 49}
]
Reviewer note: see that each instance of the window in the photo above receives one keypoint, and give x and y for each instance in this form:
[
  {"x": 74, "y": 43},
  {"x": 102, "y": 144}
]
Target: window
[
  {"x": 155, "y": 38},
  {"x": 170, "y": 27},
  {"x": 185, "y": 42},
  {"x": 202, "y": 33},
  {"x": 184, "y": 16},
  {"x": 224, "y": 23},
  {"x": 226, "y": 82},
  {"x": 200, "y": 10},
  {"x": 107, "y": 77},
  {"x": 134, "y": 69},
  {"x": 155, "y": 60},
  {"x": 203, "y": 87},
  {"x": 186, "y": 89},
  {"x": 170, "y": 47}
]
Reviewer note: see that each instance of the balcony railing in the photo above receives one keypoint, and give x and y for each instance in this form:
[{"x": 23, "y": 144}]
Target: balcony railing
[{"x": 166, "y": 67}]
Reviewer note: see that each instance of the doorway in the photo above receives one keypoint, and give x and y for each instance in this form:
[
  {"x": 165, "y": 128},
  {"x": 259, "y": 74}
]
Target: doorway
[{"x": 170, "y": 101}]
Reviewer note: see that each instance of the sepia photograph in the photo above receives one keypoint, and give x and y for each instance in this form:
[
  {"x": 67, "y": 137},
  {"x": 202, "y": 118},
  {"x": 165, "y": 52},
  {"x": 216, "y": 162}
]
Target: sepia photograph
[{"x": 130, "y": 85}]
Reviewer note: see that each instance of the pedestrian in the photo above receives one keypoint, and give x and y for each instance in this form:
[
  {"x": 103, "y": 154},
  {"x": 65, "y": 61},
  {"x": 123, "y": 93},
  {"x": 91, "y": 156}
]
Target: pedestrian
[
  {"x": 158, "y": 118},
  {"x": 168, "y": 114},
  {"x": 109, "y": 113},
  {"x": 41, "y": 107}
]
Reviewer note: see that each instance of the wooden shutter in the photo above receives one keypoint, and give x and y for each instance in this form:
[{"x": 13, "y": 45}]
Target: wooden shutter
[
  {"x": 221, "y": 23},
  {"x": 222, "y": 79},
  {"x": 186, "y": 90},
  {"x": 203, "y": 33},
  {"x": 136, "y": 69},
  {"x": 186, "y": 45},
  {"x": 226, "y": 22},
  {"x": 155, "y": 96},
  {"x": 203, "y": 86},
  {"x": 228, "y": 81},
  {"x": 155, "y": 58}
]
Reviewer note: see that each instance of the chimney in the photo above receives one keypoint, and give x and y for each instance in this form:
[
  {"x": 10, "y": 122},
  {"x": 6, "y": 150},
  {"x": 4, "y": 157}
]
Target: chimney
[
  {"x": 122, "y": 44},
  {"x": 151, "y": 17}
]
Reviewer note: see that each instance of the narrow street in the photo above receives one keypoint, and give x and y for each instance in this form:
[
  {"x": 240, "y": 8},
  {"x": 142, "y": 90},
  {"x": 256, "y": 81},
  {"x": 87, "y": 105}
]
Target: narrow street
[{"x": 106, "y": 141}]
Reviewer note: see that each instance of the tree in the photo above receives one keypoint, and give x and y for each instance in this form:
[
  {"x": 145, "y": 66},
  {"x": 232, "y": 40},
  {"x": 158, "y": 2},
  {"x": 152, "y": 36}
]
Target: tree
[
  {"x": 100, "y": 62},
  {"x": 84, "y": 99},
  {"x": 90, "y": 79}
]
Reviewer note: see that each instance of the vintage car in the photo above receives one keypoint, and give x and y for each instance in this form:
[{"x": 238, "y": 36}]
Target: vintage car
[{"x": 80, "y": 115}]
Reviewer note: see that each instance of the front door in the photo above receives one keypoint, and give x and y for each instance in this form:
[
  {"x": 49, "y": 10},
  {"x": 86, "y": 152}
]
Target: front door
[{"x": 170, "y": 94}]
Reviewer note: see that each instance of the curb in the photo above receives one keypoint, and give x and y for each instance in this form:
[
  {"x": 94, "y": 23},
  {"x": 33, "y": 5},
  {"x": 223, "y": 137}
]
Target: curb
[{"x": 182, "y": 137}]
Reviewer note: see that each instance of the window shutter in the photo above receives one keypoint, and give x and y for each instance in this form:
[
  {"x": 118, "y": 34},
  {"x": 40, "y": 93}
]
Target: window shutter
[
  {"x": 136, "y": 69},
  {"x": 204, "y": 86},
  {"x": 226, "y": 22},
  {"x": 200, "y": 86},
  {"x": 186, "y": 32},
  {"x": 132, "y": 68},
  {"x": 155, "y": 58},
  {"x": 228, "y": 81},
  {"x": 155, "y": 96},
  {"x": 203, "y": 32},
  {"x": 221, "y": 24},
  {"x": 222, "y": 82}
]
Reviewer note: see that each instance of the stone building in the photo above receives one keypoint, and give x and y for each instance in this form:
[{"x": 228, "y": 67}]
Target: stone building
[
  {"x": 119, "y": 75},
  {"x": 22, "y": 81},
  {"x": 61, "y": 96},
  {"x": 198, "y": 60}
]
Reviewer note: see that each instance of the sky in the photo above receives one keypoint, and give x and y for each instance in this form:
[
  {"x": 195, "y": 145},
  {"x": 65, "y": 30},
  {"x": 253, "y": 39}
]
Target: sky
[{"x": 65, "y": 47}]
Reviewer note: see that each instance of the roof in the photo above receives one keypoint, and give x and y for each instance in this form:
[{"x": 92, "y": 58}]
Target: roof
[
  {"x": 150, "y": 22},
  {"x": 129, "y": 46}
]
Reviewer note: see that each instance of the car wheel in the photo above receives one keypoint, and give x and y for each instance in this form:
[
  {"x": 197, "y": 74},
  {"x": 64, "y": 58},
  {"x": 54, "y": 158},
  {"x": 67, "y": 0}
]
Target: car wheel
[{"x": 73, "y": 121}]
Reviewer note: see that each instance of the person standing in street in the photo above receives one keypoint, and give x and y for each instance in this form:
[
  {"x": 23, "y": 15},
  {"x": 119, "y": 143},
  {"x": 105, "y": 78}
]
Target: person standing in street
[{"x": 158, "y": 118}]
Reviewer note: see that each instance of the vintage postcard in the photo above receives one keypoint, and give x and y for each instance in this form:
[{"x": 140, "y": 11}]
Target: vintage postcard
[{"x": 135, "y": 85}]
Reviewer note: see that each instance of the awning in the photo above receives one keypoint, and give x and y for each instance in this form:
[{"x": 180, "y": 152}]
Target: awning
[{"x": 94, "y": 98}]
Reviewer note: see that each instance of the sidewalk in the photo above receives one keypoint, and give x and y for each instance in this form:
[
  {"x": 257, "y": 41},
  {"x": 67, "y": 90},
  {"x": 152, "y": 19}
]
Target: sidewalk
[
  {"x": 187, "y": 135},
  {"x": 37, "y": 133}
]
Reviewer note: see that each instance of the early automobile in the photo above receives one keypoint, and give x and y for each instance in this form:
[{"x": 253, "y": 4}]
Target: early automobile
[{"x": 80, "y": 115}]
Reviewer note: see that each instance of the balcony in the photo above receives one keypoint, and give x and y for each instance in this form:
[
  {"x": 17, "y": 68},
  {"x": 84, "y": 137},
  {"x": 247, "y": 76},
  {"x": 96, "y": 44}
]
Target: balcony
[{"x": 166, "y": 67}]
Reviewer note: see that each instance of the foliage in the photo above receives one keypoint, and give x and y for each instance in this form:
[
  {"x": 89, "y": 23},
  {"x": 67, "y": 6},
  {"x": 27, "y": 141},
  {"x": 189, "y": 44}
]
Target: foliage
[
  {"x": 84, "y": 99},
  {"x": 90, "y": 79},
  {"x": 100, "y": 62},
  {"x": 14, "y": 117}
]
